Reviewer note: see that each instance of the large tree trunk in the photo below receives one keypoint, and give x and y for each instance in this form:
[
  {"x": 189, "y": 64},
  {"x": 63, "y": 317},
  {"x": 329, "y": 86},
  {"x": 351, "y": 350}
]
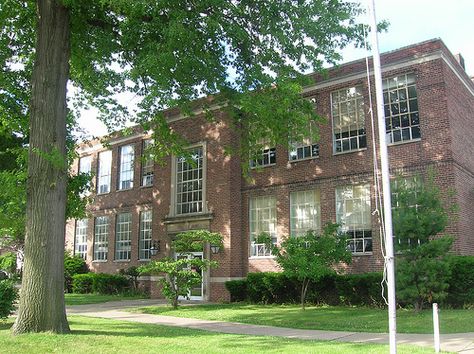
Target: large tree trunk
[{"x": 42, "y": 295}]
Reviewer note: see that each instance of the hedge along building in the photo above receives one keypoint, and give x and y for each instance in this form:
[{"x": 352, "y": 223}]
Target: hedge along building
[{"x": 429, "y": 107}]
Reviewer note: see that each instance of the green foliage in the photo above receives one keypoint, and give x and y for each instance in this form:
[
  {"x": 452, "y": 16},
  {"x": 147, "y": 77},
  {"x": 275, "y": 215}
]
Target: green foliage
[
  {"x": 82, "y": 283},
  {"x": 422, "y": 269},
  {"x": 237, "y": 289},
  {"x": 8, "y": 295},
  {"x": 195, "y": 240},
  {"x": 132, "y": 274},
  {"x": 360, "y": 289},
  {"x": 184, "y": 273},
  {"x": 461, "y": 282},
  {"x": 100, "y": 283},
  {"x": 8, "y": 262},
  {"x": 332, "y": 289},
  {"x": 73, "y": 265},
  {"x": 312, "y": 256}
]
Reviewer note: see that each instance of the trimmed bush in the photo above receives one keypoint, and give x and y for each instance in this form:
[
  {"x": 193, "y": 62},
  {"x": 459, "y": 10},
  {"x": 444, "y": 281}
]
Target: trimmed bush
[
  {"x": 360, "y": 289},
  {"x": 82, "y": 283},
  {"x": 8, "y": 295},
  {"x": 100, "y": 283},
  {"x": 237, "y": 290},
  {"x": 73, "y": 265},
  {"x": 270, "y": 287},
  {"x": 461, "y": 282},
  {"x": 109, "y": 283}
]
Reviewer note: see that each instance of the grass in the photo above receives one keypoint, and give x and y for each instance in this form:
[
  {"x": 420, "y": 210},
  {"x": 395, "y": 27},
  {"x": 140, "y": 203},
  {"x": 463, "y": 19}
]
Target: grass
[
  {"x": 358, "y": 319},
  {"x": 82, "y": 299},
  {"x": 90, "y": 335}
]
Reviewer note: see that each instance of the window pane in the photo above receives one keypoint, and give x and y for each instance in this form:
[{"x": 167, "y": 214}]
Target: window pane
[
  {"x": 104, "y": 174},
  {"x": 80, "y": 240},
  {"x": 189, "y": 182},
  {"x": 348, "y": 119},
  {"x": 101, "y": 238},
  {"x": 402, "y": 113},
  {"x": 262, "y": 219},
  {"x": 353, "y": 213},
  {"x": 126, "y": 167}
]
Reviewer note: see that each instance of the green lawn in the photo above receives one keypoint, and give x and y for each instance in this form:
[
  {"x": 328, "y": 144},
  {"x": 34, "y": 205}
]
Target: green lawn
[
  {"x": 82, "y": 299},
  {"x": 90, "y": 335},
  {"x": 357, "y": 319}
]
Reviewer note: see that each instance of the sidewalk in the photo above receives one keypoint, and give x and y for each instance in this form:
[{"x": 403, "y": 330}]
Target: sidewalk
[{"x": 459, "y": 342}]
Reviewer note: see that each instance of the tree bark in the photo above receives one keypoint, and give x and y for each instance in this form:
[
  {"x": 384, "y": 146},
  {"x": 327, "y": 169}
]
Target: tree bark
[{"x": 42, "y": 305}]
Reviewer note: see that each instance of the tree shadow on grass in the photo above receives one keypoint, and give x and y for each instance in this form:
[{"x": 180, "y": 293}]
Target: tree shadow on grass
[{"x": 5, "y": 325}]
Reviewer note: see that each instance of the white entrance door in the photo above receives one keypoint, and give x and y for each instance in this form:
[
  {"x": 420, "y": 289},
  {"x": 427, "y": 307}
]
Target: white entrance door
[{"x": 196, "y": 293}]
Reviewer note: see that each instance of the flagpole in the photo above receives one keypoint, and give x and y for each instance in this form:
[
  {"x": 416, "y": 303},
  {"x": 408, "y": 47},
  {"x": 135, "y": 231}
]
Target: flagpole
[{"x": 387, "y": 204}]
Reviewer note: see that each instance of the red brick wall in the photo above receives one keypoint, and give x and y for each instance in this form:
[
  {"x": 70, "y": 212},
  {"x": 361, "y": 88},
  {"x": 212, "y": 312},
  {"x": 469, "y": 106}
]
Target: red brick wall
[{"x": 447, "y": 127}]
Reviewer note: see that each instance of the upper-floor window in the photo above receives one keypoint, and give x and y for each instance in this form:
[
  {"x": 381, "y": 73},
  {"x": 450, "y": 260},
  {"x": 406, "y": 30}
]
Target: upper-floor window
[
  {"x": 85, "y": 164},
  {"x": 126, "y": 167},
  {"x": 262, "y": 219},
  {"x": 402, "y": 119},
  {"x": 147, "y": 163},
  {"x": 348, "y": 120},
  {"x": 189, "y": 182},
  {"x": 304, "y": 212},
  {"x": 354, "y": 215},
  {"x": 145, "y": 235},
  {"x": 80, "y": 239},
  {"x": 101, "y": 238},
  {"x": 267, "y": 158},
  {"x": 123, "y": 237},
  {"x": 105, "y": 172},
  {"x": 304, "y": 149},
  {"x": 85, "y": 167}
]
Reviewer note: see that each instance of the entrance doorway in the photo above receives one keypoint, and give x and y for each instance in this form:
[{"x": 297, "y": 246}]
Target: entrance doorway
[{"x": 197, "y": 292}]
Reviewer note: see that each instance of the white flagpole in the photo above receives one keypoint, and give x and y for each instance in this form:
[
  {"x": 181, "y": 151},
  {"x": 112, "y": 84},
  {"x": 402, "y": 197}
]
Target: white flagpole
[{"x": 387, "y": 203}]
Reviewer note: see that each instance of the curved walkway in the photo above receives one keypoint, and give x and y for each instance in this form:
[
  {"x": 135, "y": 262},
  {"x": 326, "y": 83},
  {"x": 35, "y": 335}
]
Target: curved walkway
[{"x": 459, "y": 342}]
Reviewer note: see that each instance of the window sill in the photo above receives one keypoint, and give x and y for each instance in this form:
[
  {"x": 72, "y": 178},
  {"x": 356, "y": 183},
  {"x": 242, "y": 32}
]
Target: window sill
[
  {"x": 196, "y": 216},
  {"x": 124, "y": 190},
  {"x": 348, "y": 152},
  {"x": 144, "y": 260},
  {"x": 362, "y": 254},
  {"x": 100, "y": 194},
  {"x": 100, "y": 261},
  {"x": 147, "y": 186},
  {"x": 261, "y": 257},
  {"x": 404, "y": 142},
  {"x": 305, "y": 159},
  {"x": 121, "y": 261},
  {"x": 256, "y": 168}
]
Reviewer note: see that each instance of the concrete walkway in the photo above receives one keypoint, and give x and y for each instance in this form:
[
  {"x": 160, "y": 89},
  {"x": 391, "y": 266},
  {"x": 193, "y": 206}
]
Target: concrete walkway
[{"x": 460, "y": 342}]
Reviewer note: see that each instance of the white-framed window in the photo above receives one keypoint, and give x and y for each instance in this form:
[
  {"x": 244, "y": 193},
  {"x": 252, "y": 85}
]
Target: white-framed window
[
  {"x": 147, "y": 163},
  {"x": 262, "y": 219},
  {"x": 402, "y": 119},
  {"x": 104, "y": 172},
  {"x": 145, "y": 235},
  {"x": 303, "y": 151},
  {"x": 127, "y": 154},
  {"x": 85, "y": 164},
  {"x": 101, "y": 238},
  {"x": 80, "y": 239},
  {"x": 123, "y": 237},
  {"x": 268, "y": 158},
  {"x": 353, "y": 213},
  {"x": 305, "y": 212},
  {"x": 189, "y": 183},
  {"x": 348, "y": 120},
  {"x": 85, "y": 167}
]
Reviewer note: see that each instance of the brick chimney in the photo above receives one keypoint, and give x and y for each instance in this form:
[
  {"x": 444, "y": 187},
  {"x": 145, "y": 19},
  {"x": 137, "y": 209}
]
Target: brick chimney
[{"x": 460, "y": 60}]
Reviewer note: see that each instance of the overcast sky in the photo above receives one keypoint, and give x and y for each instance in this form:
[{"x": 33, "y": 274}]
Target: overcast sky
[{"x": 411, "y": 21}]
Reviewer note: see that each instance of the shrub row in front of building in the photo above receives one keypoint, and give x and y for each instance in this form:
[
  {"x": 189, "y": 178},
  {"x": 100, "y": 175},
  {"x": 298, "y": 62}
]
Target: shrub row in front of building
[
  {"x": 100, "y": 283},
  {"x": 346, "y": 289}
]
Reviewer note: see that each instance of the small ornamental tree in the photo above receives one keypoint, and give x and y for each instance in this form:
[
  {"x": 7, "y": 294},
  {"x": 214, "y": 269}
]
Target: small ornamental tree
[
  {"x": 418, "y": 218},
  {"x": 310, "y": 257},
  {"x": 183, "y": 273}
]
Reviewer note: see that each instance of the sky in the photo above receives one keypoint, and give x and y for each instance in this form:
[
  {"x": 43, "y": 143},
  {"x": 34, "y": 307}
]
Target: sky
[{"x": 411, "y": 21}]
